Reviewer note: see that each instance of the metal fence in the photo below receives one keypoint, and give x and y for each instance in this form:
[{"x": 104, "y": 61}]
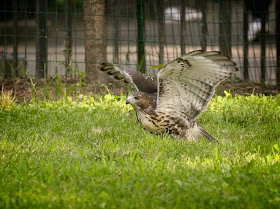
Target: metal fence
[{"x": 55, "y": 39}]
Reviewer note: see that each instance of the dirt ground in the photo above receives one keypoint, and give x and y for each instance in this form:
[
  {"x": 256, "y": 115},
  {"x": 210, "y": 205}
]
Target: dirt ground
[
  {"x": 53, "y": 90},
  {"x": 244, "y": 88}
]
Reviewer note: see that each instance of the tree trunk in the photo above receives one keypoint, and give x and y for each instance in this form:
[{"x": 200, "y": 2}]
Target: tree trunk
[
  {"x": 278, "y": 43},
  {"x": 95, "y": 46}
]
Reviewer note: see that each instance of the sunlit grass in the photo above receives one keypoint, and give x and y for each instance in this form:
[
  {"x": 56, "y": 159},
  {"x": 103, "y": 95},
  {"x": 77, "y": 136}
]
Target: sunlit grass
[
  {"x": 7, "y": 99},
  {"x": 93, "y": 153}
]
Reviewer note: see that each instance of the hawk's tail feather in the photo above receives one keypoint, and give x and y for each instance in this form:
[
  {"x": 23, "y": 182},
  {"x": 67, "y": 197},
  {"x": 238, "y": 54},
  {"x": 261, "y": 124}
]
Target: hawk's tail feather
[{"x": 207, "y": 135}]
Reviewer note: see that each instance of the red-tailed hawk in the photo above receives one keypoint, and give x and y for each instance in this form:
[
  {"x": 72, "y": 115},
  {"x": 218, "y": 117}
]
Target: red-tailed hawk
[{"x": 181, "y": 93}]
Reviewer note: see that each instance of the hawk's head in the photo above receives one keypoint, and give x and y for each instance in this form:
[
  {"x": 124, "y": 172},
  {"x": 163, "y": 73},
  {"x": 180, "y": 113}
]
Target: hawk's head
[{"x": 141, "y": 100}]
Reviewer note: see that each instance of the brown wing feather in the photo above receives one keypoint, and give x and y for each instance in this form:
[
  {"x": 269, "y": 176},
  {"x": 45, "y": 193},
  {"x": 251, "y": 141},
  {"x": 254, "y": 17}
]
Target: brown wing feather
[{"x": 141, "y": 81}]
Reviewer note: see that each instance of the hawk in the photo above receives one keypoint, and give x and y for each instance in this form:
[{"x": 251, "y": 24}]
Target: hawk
[{"x": 181, "y": 92}]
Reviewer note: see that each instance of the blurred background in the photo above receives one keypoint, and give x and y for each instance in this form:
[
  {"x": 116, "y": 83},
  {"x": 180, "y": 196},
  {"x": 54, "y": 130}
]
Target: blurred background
[{"x": 62, "y": 43}]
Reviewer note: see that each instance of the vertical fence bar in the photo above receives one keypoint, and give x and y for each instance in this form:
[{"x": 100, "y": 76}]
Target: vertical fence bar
[
  {"x": 75, "y": 44},
  {"x": 4, "y": 72},
  {"x": 68, "y": 37},
  {"x": 161, "y": 33},
  {"x": 204, "y": 28},
  {"x": 15, "y": 47},
  {"x": 245, "y": 40},
  {"x": 116, "y": 31},
  {"x": 225, "y": 27},
  {"x": 41, "y": 38},
  {"x": 140, "y": 13},
  {"x": 183, "y": 27},
  {"x": 25, "y": 39},
  {"x": 262, "y": 42},
  {"x": 277, "y": 10}
]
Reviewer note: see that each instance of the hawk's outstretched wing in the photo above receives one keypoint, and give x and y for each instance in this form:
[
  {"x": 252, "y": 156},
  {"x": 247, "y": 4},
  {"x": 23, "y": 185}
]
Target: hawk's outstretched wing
[
  {"x": 188, "y": 83},
  {"x": 141, "y": 81}
]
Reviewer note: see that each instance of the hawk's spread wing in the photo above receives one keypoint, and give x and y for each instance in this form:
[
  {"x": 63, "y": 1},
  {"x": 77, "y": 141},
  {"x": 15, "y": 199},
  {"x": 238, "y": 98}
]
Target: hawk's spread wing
[
  {"x": 141, "y": 81},
  {"x": 188, "y": 83}
]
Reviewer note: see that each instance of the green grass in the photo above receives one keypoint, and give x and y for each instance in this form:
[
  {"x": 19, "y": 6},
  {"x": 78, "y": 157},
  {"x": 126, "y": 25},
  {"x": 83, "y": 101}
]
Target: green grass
[{"x": 94, "y": 154}]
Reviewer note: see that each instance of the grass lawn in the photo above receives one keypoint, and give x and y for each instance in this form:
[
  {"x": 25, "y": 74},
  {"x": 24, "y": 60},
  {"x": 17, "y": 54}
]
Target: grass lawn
[{"x": 94, "y": 154}]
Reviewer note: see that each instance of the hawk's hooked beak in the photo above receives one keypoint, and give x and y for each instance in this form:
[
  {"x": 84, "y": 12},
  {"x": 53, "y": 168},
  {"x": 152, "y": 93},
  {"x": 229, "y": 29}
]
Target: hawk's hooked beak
[{"x": 129, "y": 99}]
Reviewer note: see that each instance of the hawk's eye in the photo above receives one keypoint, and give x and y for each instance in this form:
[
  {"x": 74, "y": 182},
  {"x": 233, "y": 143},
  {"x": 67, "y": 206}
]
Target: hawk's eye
[{"x": 136, "y": 98}]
